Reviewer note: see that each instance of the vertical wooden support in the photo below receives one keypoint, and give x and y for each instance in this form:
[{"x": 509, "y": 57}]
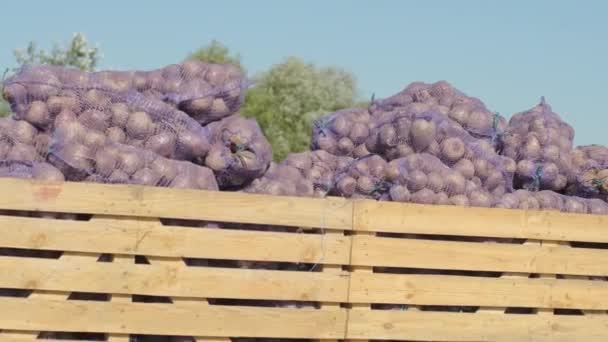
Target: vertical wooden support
[
  {"x": 361, "y": 269},
  {"x": 331, "y": 269},
  {"x": 121, "y": 298}
]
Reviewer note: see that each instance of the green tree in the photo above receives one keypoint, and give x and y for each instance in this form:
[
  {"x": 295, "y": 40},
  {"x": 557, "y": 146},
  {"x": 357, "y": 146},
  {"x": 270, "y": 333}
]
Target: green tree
[
  {"x": 4, "y": 106},
  {"x": 77, "y": 53},
  {"x": 289, "y": 97},
  {"x": 216, "y": 52}
]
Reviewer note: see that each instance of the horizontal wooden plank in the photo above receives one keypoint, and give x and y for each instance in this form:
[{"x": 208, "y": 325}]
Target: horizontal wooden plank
[
  {"x": 131, "y": 200},
  {"x": 472, "y": 256},
  {"x": 132, "y": 236},
  {"x": 419, "y": 289},
  {"x": 501, "y": 223},
  {"x": 435, "y": 326},
  {"x": 171, "y": 281},
  {"x": 170, "y": 319},
  {"x": 15, "y": 337}
]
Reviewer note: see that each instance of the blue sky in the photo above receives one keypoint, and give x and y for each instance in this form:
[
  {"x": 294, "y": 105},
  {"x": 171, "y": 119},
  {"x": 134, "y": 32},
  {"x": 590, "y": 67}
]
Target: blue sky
[{"x": 508, "y": 53}]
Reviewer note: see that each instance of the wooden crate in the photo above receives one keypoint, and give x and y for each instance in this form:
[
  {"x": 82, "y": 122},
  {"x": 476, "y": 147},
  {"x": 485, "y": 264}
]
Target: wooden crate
[{"x": 359, "y": 270}]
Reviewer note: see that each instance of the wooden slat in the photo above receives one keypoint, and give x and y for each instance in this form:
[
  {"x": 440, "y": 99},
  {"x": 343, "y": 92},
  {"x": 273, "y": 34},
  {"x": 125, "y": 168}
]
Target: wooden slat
[
  {"x": 162, "y": 280},
  {"x": 434, "y": 326},
  {"x": 151, "y": 238},
  {"x": 53, "y": 295},
  {"x": 170, "y": 319},
  {"x": 509, "y": 275},
  {"x": 478, "y": 291},
  {"x": 356, "y": 270},
  {"x": 471, "y": 256},
  {"x": 333, "y": 269},
  {"x": 502, "y": 223},
  {"x": 15, "y": 337},
  {"x": 118, "y": 298},
  {"x": 132, "y": 200}
]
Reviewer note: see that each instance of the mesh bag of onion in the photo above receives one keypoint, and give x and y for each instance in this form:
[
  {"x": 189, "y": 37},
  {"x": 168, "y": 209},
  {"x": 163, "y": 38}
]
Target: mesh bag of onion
[
  {"x": 207, "y": 92},
  {"x": 400, "y": 133},
  {"x": 108, "y": 162},
  {"x": 541, "y": 144}
]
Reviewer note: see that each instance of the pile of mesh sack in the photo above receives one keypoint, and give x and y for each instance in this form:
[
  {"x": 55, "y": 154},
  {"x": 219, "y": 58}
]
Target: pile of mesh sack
[
  {"x": 184, "y": 115},
  {"x": 432, "y": 144},
  {"x": 179, "y": 126}
]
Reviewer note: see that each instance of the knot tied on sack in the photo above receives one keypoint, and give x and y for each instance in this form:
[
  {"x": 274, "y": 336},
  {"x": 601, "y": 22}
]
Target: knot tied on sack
[{"x": 536, "y": 179}]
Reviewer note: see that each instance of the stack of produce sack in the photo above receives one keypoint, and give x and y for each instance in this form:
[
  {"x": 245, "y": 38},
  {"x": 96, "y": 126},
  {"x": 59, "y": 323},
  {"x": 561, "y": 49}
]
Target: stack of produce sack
[
  {"x": 431, "y": 144},
  {"x": 181, "y": 114},
  {"x": 177, "y": 127}
]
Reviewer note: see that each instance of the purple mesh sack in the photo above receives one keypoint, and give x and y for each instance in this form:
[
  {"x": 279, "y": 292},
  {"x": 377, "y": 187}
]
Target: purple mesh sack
[
  {"x": 425, "y": 179},
  {"x": 401, "y": 133},
  {"x": 442, "y": 97},
  {"x": 281, "y": 180},
  {"x": 30, "y": 170},
  {"x": 365, "y": 177},
  {"x": 591, "y": 165},
  {"x": 541, "y": 144},
  {"x": 239, "y": 151},
  {"x": 550, "y": 200},
  {"x": 20, "y": 141},
  {"x": 127, "y": 117},
  {"x": 207, "y": 92},
  {"x": 342, "y": 133},
  {"x": 108, "y": 162},
  {"x": 318, "y": 167},
  {"x": 307, "y": 174}
]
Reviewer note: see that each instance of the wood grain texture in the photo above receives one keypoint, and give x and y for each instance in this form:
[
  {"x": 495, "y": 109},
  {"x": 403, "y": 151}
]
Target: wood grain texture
[
  {"x": 478, "y": 291},
  {"x": 170, "y": 280},
  {"x": 133, "y": 200},
  {"x": 501, "y": 223},
  {"x": 472, "y": 256},
  {"x": 137, "y": 236},
  {"x": 435, "y": 326},
  {"x": 159, "y": 319}
]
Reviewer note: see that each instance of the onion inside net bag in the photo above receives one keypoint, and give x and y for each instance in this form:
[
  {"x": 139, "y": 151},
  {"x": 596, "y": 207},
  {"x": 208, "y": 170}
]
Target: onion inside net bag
[
  {"x": 343, "y": 133},
  {"x": 109, "y": 162},
  {"x": 591, "y": 165},
  {"x": 425, "y": 179},
  {"x": 550, "y": 200},
  {"x": 239, "y": 151},
  {"x": 30, "y": 170},
  {"x": 541, "y": 144},
  {"x": 207, "y": 92},
  {"x": 301, "y": 174},
  {"x": 128, "y": 118},
  {"x": 20, "y": 141},
  {"x": 365, "y": 177},
  {"x": 442, "y": 97},
  {"x": 282, "y": 180},
  {"x": 401, "y": 133}
]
